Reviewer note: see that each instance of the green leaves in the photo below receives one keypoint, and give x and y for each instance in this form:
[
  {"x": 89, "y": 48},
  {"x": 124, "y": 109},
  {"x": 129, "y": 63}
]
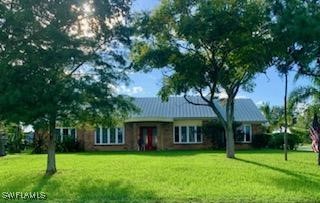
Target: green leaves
[
  {"x": 61, "y": 58},
  {"x": 207, "y": 44},
  {"x": 295, "y": 30}
]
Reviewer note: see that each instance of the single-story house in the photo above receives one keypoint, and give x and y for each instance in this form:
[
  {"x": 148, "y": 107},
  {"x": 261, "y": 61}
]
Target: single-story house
[{"x": 175, "y": 124}]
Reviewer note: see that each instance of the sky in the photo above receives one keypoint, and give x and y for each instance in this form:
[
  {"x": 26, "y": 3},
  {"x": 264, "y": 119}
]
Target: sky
[{"x": 269, "y": 87}]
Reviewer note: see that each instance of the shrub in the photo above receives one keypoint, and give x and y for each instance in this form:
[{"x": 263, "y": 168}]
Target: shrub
[
  {"x": 261, "y": 140},
  {"x": 15, "y": 144},
  {"x": 215, "y": 132},
  {"x": 68, "y": 144},
  {"x": 302, "y": 133},
  {"x": 277, "y": 141},
  {"x": 39, "y": 146}
]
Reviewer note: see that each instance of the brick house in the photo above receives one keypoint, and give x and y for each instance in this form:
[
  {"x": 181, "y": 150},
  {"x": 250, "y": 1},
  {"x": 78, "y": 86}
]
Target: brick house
[{"x": 175, "y": 124}]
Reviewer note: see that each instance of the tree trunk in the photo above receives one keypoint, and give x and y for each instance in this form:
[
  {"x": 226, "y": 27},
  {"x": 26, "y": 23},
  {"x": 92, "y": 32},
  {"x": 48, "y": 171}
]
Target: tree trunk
[
  {"x": 230, "y": 146},
  {"x": 51, "y": 161},
  {"x": 285, "y": 136}
]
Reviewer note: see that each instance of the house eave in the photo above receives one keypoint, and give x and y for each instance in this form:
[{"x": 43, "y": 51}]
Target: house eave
[{"x": 149, "y": 119}]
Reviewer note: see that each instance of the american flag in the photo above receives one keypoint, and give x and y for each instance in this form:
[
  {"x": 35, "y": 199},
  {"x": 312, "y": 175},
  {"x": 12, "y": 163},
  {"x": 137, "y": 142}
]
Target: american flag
[{"x": 315, "y": 134}]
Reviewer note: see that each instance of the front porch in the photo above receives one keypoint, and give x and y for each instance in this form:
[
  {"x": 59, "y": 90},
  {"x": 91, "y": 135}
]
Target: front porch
[{"x": 156, "y": 135}]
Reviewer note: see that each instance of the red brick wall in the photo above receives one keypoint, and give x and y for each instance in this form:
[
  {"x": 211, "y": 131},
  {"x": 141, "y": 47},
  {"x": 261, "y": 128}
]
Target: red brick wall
[
  {"x": 256, "y": 130},
  {"x": 165, "y": 138},
  {"x": 169, "y": 138},
  {"x": 87, "y": 136}
]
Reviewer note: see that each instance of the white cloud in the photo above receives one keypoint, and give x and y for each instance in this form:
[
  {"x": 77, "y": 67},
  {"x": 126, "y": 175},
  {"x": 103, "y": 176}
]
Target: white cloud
[
  {"x": 260, "y": 103},
  {"x": 222, "y": 95},
  {"x": 131, "y": 91}
]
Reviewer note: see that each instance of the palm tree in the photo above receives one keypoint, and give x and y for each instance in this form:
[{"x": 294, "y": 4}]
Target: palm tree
[
  {"x": 309, "y": 93},
  {"x": 304, "y": 93},
  {"x": 275, "y": 116}
]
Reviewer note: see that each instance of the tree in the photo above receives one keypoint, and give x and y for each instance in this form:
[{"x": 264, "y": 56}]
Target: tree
[
  {"x": 59, "y": 60},
  {"x": 288, "y": 18},
  {"x": 208, "y": 47},
  {"x": 275, "y": 116},
  {"x": 307, "y": 95},
  {"x": 294, "y": 48}
]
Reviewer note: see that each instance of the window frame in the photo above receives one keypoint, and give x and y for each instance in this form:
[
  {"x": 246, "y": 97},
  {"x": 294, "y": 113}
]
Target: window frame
[
  {"x": 69, "y": 132},
  {"x": 188, "y": 134},
  {"x": 243, "y": 126},
  {"x": 108, "y": 143}
]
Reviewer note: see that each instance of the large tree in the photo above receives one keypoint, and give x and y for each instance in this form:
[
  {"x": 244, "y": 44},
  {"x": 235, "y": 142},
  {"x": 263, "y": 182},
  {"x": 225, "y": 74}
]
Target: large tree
[
  {"x": 208, "y": 46},
  {"x": 59, "y": 60},
  {"x": 295, "y": 30}
]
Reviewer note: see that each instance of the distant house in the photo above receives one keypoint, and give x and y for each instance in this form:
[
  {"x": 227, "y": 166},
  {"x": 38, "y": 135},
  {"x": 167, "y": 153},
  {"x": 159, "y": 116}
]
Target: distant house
[{"x": 175, "y": 124}]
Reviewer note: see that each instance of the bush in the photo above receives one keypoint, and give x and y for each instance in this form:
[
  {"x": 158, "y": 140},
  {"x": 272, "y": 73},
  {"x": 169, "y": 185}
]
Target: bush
[
  {"x": 277, "y": 141},
  {"x": 215, "y": 132},
  {"x": 261, "y": 140},
  {"x": 69, "y": 144},
  {"x": 39, "y": 146},
  {"x": 302, "y": 133},
  {"x": 15, "y": 144}
]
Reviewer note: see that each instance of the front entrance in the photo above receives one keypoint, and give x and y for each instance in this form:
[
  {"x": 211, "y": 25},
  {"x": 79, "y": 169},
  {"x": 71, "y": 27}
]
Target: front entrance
[{"x": 149, "y": 135}]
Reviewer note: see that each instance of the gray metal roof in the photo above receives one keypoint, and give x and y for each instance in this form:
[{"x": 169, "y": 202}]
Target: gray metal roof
[{"x": 179, "y": 108}]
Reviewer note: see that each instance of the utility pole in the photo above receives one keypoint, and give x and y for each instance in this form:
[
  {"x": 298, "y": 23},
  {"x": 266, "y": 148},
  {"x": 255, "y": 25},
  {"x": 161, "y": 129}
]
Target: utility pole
[{"x": 285, "y": 137}]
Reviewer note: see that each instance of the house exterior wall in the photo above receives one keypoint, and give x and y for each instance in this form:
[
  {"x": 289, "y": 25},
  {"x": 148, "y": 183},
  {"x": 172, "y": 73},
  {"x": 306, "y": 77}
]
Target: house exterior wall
[
  {"x": 87, "y": 137},
  {"x": 256, "y": 131},
  {"x": 165, "y": 136},
  {"x": 169, "y": 141}
]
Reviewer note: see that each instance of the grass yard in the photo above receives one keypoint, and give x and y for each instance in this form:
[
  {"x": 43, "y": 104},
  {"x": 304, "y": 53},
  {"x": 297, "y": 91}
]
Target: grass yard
[{"x": 177, "y": 176}]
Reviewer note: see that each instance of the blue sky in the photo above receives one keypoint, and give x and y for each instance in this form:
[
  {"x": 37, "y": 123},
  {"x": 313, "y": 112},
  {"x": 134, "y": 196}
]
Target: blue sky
[{"x": 269, "y": 87}]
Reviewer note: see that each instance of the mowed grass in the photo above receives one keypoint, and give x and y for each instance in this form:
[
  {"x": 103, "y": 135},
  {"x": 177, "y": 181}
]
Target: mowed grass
[{"x": 173, "y": 176}]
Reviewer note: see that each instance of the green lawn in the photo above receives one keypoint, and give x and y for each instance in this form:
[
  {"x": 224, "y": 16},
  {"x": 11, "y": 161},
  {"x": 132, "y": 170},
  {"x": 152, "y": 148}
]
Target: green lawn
[{"x": 191, "y": 176}]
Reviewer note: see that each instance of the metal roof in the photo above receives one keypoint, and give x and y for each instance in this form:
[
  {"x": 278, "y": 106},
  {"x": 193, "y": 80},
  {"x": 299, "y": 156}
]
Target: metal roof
[{"x": 154, "y": 108}]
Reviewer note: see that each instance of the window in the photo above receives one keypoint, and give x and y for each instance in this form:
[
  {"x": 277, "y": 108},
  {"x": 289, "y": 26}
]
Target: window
[
  {"x": 112, "y": 135},
  {"x": 176, "y": 134},
  {"x": 109, "y": 136},
  {"x": 65, "y": 132},
  {"x": 104, "y": 135},
  {"x": 98, "y": 135},
  {"x": 183, "y": 134},
  {"x": 199, "y": 134},
  {"x": 244, "y": 134},
  {"x": 120, "y": 135},
  {"x": 187, "y": 134},
  {"x": 192, "y": 133}
]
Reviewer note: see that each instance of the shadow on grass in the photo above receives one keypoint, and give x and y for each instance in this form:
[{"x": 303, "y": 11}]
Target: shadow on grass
[
  {"x": 89, "y": 190},
  {"x": 153, "y": 153},
  {"x": 294, "y": 181},
  {"x": 176, "y": 153},
  {"x": 28, "y": 183},
  {"x": 41, "y": 183}
]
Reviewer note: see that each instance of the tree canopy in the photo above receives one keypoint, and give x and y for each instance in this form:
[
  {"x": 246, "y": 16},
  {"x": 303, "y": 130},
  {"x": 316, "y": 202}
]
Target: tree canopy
[
  {"x": 61, "y": 59},
  {"x": 295, "y": 29},
  {"x": 208, "y": 46}
]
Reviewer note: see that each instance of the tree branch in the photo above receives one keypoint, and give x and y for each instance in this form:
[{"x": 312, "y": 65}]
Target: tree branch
[
  {"x": 193, "y": 103},
  {"x": 213, "y": 107}
]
